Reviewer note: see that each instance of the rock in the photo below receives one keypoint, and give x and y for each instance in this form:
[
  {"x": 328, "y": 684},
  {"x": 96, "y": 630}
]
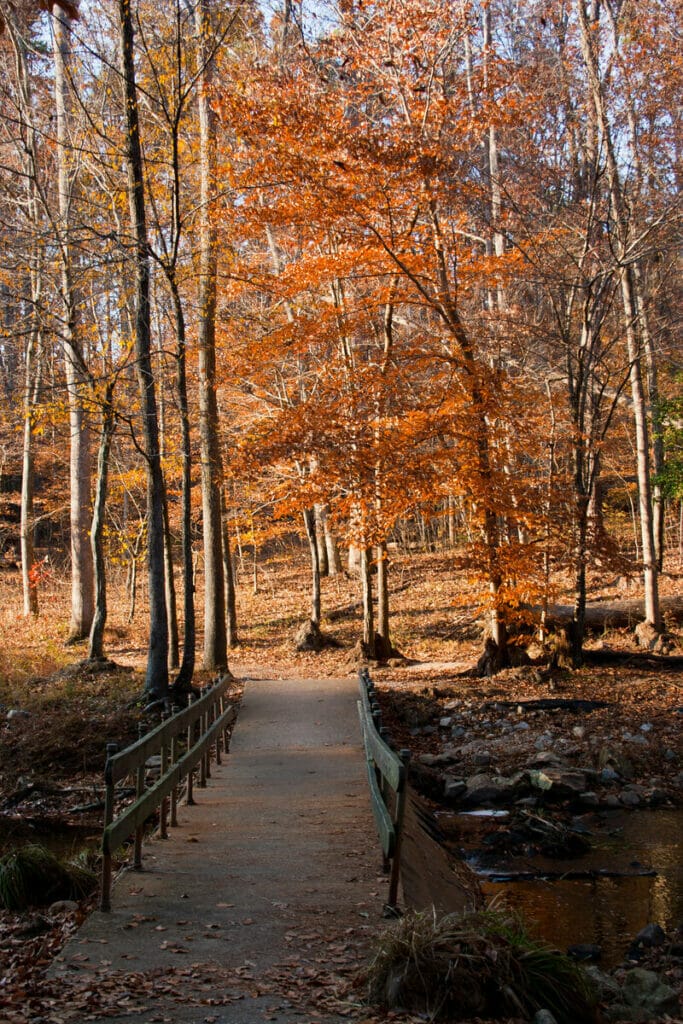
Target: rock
[
  {"x": 471, "y": 748},
  {"x": 609, "y": 775},
  {"x": 445, "y": 723},
  {"x": 585, "y": 951},
  {"x": 16, "y": 714},
  {"x": 612, "y": 802},
  {"x": 559, "y": 781},
  {"x": 645, "y": 990},
  {"x": 544, "y": 1017},
  {"x": 453, "y": 789},
  {"x": 606, "y": 988},
  {"x": 650, "y": 935},
  {"x": 63, "y": 907},
  {"x": 546, "y": 757},
  {"x": 579, "y": 731},
  {"x": 670, "y": 755},
  {"x": 521, "y": 727},
  {"x": 483, "y": 789},
  {"x": 589, "y": 799},
  {"x": 435, "y": 760},
  {"x": 457, "y": 731},
  {"x": 639, "y": 740},
  {"x": 483, "y": 758},
  {"x": 646, "y": 727},
  {"x": 543, "y": 742},
  {"x": 630, "y": 799}
]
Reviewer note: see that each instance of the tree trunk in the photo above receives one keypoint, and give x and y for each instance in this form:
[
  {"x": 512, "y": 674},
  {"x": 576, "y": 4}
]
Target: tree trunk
[
  {"x": 96, "y": 642},
  {"x": 77, "y": 377},
  {"x": 368, "y": 612},
  {"x": 323, "y": 557},
  {"x": 215, "y": 633},
  {"x": 156, "y": 680},
  {"x": 29, "y": 583},
  {"x": 384, "y": 648},
  {"x": 309, "y": 522},
  {"x": 183, "y": 680},
  {"x": 28, "y": 156},
  {"x": 229, "y": 574},
  {"x": 619, "y": 215},
  {"x": 169, "y": 584}
]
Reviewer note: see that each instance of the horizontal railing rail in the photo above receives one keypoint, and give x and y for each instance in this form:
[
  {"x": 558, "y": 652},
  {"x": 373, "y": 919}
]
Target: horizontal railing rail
[
  {"x": 387, "y": 779},
  {"x": 202, "y": 726}
]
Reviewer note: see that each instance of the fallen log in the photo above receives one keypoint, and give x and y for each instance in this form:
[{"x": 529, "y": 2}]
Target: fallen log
[{"x": 601, "y": 615}]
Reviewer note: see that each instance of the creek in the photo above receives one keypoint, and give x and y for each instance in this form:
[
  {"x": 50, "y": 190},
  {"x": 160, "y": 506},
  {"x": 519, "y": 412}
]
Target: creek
[{"x": 631, "y": 875}]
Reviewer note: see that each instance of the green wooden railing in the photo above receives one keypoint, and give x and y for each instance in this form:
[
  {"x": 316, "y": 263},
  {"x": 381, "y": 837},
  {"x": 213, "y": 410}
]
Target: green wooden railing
[
  {"x": 199, "y": 728},
  {"x": 387, "y": 778}
]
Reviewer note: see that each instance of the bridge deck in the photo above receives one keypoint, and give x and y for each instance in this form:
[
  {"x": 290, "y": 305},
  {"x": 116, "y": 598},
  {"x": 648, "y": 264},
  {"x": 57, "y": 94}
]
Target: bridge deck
[{"x": 273, "y": 871}]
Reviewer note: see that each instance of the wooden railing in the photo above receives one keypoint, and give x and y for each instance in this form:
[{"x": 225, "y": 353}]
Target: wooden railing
[
  {"x": 182, "y": 743},
  {"x": 387, "y": 777}
]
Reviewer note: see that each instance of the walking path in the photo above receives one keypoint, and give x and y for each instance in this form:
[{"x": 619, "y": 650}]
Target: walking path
[{"x": 261, "y": 902}]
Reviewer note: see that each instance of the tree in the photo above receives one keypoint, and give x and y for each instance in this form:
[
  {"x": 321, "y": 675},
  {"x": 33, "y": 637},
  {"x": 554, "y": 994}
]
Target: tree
[
  {"x": 78, "y": 380},
  {"x": 215, "y": 635},
  {"x": 156, "y": 680}
]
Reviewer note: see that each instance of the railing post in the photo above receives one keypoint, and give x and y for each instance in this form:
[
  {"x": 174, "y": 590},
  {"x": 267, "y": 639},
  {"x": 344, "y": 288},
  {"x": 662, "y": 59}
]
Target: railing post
[
  {"x": 401, "y": 797},
  {"x": 139, "y": 790},
  {"x": 209, "y": 723},
  {"x": 163, "y": 810},
  {"x": 105, "y": 895},
  {"x": 174, "y": 791},
  {"x": 190, "y": 737},
  {"x": 219, "y": 734},
  {"x": 202, "y": 759}
]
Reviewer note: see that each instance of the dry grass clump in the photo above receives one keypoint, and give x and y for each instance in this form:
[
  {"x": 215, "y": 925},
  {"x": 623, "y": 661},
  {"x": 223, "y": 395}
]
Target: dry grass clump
[
  {"x": 483, "y": 964},
  {"x": 33, "y": 876}
]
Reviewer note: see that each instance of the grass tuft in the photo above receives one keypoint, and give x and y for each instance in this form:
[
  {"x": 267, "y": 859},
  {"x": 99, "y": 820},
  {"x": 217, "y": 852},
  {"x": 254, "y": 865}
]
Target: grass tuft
[
  {"x": 482, "y": 964},
  {"x": 33, "y": 876}
]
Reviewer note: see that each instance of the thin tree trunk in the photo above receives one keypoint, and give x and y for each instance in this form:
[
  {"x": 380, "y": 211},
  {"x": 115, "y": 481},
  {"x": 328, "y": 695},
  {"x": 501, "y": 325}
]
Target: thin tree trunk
[
  {"x": 215, "y": 633},
  {"x": 334, "y": 562},
  {"x": 384, "y": 647},
  {"x": 171, "y": 602},
  {"x": 309, "y": 522},
  {"x": 96, "y": 641},
  {"x": 323, "y": 559},
  {"x": 77, "y": 377},
  {"x": 631, "y": 319},
  {"x": 28, "y": 156},
  {"x": 368, "y": 612},
  {"x": 229, "y": 575},
  {"x": 184, "y": 678},
  {"x": 156, "y": 680}
]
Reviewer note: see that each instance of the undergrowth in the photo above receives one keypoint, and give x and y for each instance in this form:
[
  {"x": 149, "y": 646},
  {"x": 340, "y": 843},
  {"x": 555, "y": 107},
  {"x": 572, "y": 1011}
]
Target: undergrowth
[{"x": 483, "y": 964}]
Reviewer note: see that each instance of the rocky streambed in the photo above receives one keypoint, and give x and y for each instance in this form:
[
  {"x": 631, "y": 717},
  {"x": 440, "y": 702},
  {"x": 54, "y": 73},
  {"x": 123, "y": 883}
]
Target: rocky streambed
[{"x": 567, "y": 806}]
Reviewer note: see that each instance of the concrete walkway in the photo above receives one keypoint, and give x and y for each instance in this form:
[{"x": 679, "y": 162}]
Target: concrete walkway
[{"x": 268, "y": 889}]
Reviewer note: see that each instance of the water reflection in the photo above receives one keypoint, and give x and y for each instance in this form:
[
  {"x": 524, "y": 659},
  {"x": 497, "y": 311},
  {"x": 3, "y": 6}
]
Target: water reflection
[{"x": 607, "y": 911}]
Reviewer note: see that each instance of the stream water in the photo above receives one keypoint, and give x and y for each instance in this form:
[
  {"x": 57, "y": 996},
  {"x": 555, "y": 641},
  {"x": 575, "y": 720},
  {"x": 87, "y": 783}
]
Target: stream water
[{"x": 631, "y": 876}]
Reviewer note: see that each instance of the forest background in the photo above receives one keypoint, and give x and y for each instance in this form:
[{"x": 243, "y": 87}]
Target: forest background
[{"x": 391, "y": 277}]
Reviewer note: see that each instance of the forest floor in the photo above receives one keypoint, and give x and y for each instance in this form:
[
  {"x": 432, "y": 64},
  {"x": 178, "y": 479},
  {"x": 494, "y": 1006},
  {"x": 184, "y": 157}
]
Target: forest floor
[{"x": 58, "y": 715}]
